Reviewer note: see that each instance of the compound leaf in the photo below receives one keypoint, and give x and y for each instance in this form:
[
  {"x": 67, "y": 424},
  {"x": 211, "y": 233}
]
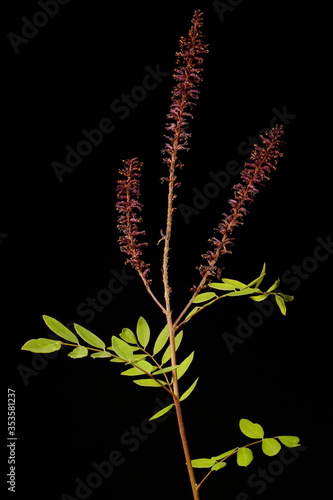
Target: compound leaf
[
  {"x": 41, "y": 345},
  {"x": 59, "y": 329}
]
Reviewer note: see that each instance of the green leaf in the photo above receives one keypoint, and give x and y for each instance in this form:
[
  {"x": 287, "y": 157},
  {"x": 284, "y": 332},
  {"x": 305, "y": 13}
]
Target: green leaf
[
  {"x": 41, "y": 345},
  {"x": 162, "y": 412},
  {"x": 184, "y": 365},
  {"x": 194, "y": 310},
  {"x": 221, "y": 286},
  {"x": 104, "y": 354},
  {"x": 128, "y": 336},
  {"x": 59, "y": 329},
  {"x": 167, "y": 354},
  {"x": 133, "y": 372},
  {"x": 138, "y": 357},
  {"x": 244, "y": 457},
  {"x": 235, "y": 283},
  {"x": 149, "y": 382},
  {"x": 117, "y": 360},
  {"x": 244, "y": 291},
  {"x": 274, "y": 286},
  {"x": 258, "y": 280},
  {"x": 259, "y": 298},
  {"x": 121, "y": 348},
  {"x": 202, "y": 463},
  {"x": 161, "y": 340},
  {"x": 281, "y": 303},
  {"x": 250, "y": 429},
  {"x": 89, "y": 337},
  {"x": 271, "y": 447},
  {"x": 287, "y": 298},
  {"x": 189, "y": 390},
  {"x": 290, "y": 441},
  {"x": 225, "y": 454},
  {"x": 78, "y": 352},
  {"x": 203, "y": 297},
  {"x": 219, "y": 466},
  {"x": 143, "y": 331},
  {"x": 165, "y": 370}
]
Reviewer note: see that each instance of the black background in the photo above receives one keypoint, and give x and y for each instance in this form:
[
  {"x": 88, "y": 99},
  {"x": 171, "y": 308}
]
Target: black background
[{"x": 59, "y": 244}]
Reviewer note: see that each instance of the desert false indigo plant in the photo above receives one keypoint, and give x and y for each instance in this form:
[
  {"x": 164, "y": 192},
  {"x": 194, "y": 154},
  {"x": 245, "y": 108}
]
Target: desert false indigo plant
[{"x": 158, "y": 366}]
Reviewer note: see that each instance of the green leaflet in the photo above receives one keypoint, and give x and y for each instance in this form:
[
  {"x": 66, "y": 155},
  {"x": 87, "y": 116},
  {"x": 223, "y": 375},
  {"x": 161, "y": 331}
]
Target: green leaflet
[
  {"x": 189, "y": 390},
  {"x": 143, "y": 331},
  {"x": 165, "y": 370},
  {"x": 250, "y": 429},
  {"x": 221, "y": 286},
  {"x": 202, "y": 463},
  {"x": 270, "y": 447},
  {"x": 149, "y": 382},
  {"x": 290, "y": 441},
  {"x": 128, "y": 336},
  {"x": 274, "y": 286},
  {"x": 161, "y": 340},
  {"x": 162, "y": 412},
  {"x": 219, "y": 466},
  {"x": 203, "y": 297},
  {"x": 41, "y": 345},
  {"x": 89, "y": 337},
  {"x": 194, "y": 310},
  {"x": 132, "y": 372},
  {"x": 244, "y": 457},
  {"x": 167, "y": 355},
  {"x": 235, "y": 283},
  {"x": 104, "y": 354},
  {"x": 225, "y": 454},
  {"x": 121, "y": 348},
  {"x": 244, "y": 291},
  {"x": 59, "y": 329},
  {"x": 259, "y": 298},
  {"x": 184, "y": 365},
  {"x": 258, "y": 280},
  {"x": 140, "y": 368},
  {"x": 281, "y": 303},
  {"x": 78, "y": 352}
]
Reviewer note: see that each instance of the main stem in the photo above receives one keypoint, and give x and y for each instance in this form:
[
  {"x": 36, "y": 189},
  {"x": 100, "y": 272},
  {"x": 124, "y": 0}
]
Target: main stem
[{"x": 171, "y": 329}]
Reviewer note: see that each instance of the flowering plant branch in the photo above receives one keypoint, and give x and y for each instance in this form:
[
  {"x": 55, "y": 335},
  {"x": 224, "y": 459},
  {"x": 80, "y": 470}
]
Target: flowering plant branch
[{"x": 158, "y": 367}]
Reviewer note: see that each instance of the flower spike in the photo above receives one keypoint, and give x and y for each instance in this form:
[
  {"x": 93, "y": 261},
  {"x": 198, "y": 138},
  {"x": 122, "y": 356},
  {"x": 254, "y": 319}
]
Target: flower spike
[
  {"x": 263, "y": 160},
  {"x": 128, "y": 206}
]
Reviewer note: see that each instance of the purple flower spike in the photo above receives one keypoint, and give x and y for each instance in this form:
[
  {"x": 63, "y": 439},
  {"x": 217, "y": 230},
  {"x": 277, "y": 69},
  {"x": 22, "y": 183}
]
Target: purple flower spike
[
  {"x": 256, "y": 171},
  {"x": 129, "y": 207},
  {"x": 187, "y": 76}
]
